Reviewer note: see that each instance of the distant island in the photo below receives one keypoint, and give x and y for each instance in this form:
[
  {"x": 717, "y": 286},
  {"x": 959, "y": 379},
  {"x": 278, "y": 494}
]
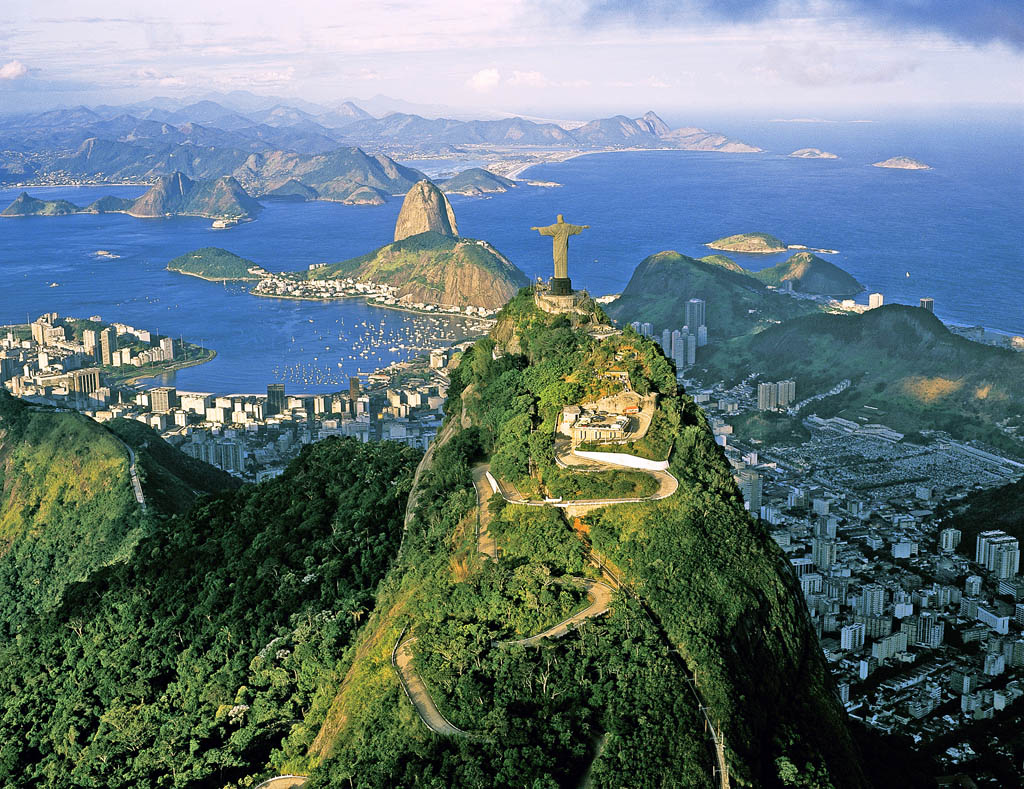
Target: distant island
[
  {"x": 753, "y": 243},
  {"x": 215, "y": 264},
  {"x": 477, "y": 181},
  {"x": 902, "y": 163},
  {"x": 812, "y": 153},
  {"x": 172, "y": 195}
]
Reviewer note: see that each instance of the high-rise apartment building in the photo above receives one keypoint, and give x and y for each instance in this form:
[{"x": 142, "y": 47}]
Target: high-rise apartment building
[
  {"x": 163, "y": 398},
  {"x": 767, "y": 397},
  {"x": 695, "y": 314},
  {"x": 928, "y": 304},
  {"x": 949, "y": 539},
  {"x": 872, "y": 600},
  {"x": 275, "y": 399},
  {"x": 107, "y": 345},
  {"x": 851, "y": 637},
  {"x": 167, "y": 347},
  {"x": 875, "y": 300}
]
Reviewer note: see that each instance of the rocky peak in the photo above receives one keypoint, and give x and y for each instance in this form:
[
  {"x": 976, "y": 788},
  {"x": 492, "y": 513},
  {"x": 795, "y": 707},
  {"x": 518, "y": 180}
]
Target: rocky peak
[
  {"x": 654, "y": 124},
  {"x": 425, "y": 208}
]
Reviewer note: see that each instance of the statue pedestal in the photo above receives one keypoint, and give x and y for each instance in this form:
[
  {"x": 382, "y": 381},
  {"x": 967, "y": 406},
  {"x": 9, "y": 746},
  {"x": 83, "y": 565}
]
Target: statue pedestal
[
  {"x": 561, "y": 286},
  {"x": 551, "y": 301}
]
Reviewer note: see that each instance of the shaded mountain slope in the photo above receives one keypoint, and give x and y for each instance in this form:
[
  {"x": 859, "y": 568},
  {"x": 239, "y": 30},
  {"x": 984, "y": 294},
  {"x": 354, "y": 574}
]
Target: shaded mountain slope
[
  {"x": 903, "y": 361},
  {"x": 736, "y": 302}
]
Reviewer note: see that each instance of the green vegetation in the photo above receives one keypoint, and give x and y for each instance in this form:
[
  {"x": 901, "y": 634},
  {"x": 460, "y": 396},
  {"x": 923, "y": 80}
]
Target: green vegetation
[
  {"x": 749, "y": 242},
  {"x": 770, "y": 428},
  {"x": 254, "y": 633},
  {"x": 995, "y": 508},
  {"x": 737, "y": 303},
  {"x": 477, "y": 180},
  {"x": 725, "y": 262},
  {"x": 808, "y": 273},
  {"x": 434, "y": 268},
  {"x": 67, "y": 507},
  {"x": 25, "y": 205},
  {"x": 904, "y": 363},
  {"x": 611, "y": 700},
  {"x": 213, "y": 263},
  {"x": 188, "y": 661}
]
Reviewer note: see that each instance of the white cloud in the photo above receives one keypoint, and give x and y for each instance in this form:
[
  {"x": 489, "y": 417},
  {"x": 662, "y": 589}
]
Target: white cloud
[
  {"x": 13, "y": 69},
  {"x": 485, "y": 80},
  {"x": 528, "y": 79}
]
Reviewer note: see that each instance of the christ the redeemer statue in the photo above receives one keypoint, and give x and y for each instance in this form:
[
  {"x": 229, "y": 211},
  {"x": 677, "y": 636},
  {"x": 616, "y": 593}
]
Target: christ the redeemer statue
[{"x": 561, "y": 285}]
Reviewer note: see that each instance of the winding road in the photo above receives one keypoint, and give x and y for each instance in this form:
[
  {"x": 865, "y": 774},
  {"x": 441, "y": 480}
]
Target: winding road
[{"x": 599, "y": 592}]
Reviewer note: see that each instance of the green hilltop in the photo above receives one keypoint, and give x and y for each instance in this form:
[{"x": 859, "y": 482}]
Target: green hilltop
[
  {"x": 434, "y": 268},
  {"x": 26, "y": 205},
  {"x": 805, "y": 272},
  {"x": 612, "y": 699},
  {"x": 228, "y": 634},
  {"x": 66, "y": 501},
  {"x": 476, "y": 181},
  {"x": 213, "y": 263},
  {"x": 737, "y": 303},
  {"x": 903, "y": 362}
]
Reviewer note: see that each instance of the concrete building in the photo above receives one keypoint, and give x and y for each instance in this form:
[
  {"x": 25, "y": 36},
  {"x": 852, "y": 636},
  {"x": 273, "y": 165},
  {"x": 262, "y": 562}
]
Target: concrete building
[
  {"x": 163, "y": 398},
  {"x": 949, "y": 539},
  {"x": 875, "y": 300},
  {"x": 851, "y": 637},
  {"x": 695, "y": 314}
]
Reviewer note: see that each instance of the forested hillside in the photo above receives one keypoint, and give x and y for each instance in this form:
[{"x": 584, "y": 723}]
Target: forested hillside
[
  {"x": 706, "y": 594},
  {"x": 187, "y": 662}
]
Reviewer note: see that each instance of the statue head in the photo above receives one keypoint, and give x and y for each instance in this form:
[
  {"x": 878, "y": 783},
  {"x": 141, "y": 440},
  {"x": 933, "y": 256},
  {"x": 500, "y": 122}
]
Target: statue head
[{"x": 560, "y": 220}]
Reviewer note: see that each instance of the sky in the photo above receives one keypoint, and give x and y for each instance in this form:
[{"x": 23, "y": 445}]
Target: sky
[{"x": 563, "y": 60}]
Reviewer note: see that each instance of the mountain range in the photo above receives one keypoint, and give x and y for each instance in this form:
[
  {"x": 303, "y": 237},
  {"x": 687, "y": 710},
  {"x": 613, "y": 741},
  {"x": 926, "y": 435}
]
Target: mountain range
[{"x": 208, "y": 139}]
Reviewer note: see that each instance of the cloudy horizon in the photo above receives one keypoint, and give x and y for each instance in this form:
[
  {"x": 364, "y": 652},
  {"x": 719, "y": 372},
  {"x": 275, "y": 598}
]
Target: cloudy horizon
[{"x": 568, "y": 60}]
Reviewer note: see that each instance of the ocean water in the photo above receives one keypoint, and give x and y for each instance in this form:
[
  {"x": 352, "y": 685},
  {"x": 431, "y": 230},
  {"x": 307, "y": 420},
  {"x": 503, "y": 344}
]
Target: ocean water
[{"x": 953, "y": 233}]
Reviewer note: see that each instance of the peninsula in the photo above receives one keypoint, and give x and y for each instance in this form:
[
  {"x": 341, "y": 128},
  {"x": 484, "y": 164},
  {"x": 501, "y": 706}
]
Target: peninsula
[
  {"x": 172, "y": 195},
  {"x": 215, "y": 264}
]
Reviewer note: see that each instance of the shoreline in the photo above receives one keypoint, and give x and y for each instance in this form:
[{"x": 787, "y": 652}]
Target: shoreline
[
  {"x": 212, "y": 279},
  {"x": 366, "y": 299},
  {"x": 185, "y": 363}
]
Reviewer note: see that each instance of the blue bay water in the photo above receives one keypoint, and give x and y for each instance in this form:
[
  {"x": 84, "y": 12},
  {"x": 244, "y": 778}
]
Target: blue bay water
[{"x": 956, "y": 230}]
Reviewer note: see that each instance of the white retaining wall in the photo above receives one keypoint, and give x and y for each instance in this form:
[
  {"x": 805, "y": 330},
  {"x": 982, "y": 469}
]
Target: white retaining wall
[{"x": 622, "y": 459}]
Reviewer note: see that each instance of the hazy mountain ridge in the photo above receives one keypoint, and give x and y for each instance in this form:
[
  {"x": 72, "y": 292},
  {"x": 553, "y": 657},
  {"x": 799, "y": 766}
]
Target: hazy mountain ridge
[{"x": 206, "y": 139}]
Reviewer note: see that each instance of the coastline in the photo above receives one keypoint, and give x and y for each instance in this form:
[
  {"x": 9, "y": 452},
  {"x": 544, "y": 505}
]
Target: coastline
[
  {"x": 213, "y": 279},
  {"x": 367, "y": 300},
  {"x": 173, "y": 368}
]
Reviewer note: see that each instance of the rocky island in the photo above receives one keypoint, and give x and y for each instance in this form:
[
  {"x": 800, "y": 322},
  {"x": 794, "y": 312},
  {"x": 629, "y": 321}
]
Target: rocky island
[
  {"x": 902, "y": 163},
  {"x": 751, "y": 243},
  {"x": 812, "y": 153}
]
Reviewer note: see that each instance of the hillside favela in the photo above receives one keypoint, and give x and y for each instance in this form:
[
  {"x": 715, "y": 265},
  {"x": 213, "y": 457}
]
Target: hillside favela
[{"x": 502, "y": 394}]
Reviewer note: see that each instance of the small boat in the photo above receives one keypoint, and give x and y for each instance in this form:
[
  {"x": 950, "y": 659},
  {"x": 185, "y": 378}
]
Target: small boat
[{"x": 54, "y": 284}]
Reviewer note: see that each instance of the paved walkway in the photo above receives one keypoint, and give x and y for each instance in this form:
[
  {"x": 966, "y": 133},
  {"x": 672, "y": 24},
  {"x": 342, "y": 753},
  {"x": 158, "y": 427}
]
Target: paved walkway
[
  {"x": 283, "y": 782},
  {"x": 600, "y": 595},
  {"x": 485, "y": 543},
  {"x": 401, "y": 659},
  {"x": 133, "y": 473}
]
